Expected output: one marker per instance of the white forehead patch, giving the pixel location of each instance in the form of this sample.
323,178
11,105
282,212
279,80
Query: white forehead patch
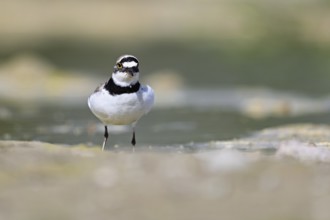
129,64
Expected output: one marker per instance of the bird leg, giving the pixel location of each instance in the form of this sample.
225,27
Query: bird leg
133,142
106,135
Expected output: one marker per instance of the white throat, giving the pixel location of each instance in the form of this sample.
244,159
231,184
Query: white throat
124,79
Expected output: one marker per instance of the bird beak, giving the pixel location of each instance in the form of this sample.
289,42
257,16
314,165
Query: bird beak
129,72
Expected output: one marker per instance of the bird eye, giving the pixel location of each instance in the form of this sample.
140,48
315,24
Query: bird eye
119,65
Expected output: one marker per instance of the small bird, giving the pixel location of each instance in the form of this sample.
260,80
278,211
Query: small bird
122,100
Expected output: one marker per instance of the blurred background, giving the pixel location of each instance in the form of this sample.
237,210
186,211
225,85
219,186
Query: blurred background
221,69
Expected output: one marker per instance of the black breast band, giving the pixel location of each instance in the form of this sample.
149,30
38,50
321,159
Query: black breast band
114,89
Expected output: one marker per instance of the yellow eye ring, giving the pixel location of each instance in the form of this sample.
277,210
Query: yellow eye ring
119,65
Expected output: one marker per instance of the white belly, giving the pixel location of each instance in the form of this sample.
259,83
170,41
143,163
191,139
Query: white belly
123,109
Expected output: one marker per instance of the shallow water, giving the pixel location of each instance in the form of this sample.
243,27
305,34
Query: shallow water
162,127
74,125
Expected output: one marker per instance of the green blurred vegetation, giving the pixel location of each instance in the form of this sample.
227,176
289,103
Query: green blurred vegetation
278,44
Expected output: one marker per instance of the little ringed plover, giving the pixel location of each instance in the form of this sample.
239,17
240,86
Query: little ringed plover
122,100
